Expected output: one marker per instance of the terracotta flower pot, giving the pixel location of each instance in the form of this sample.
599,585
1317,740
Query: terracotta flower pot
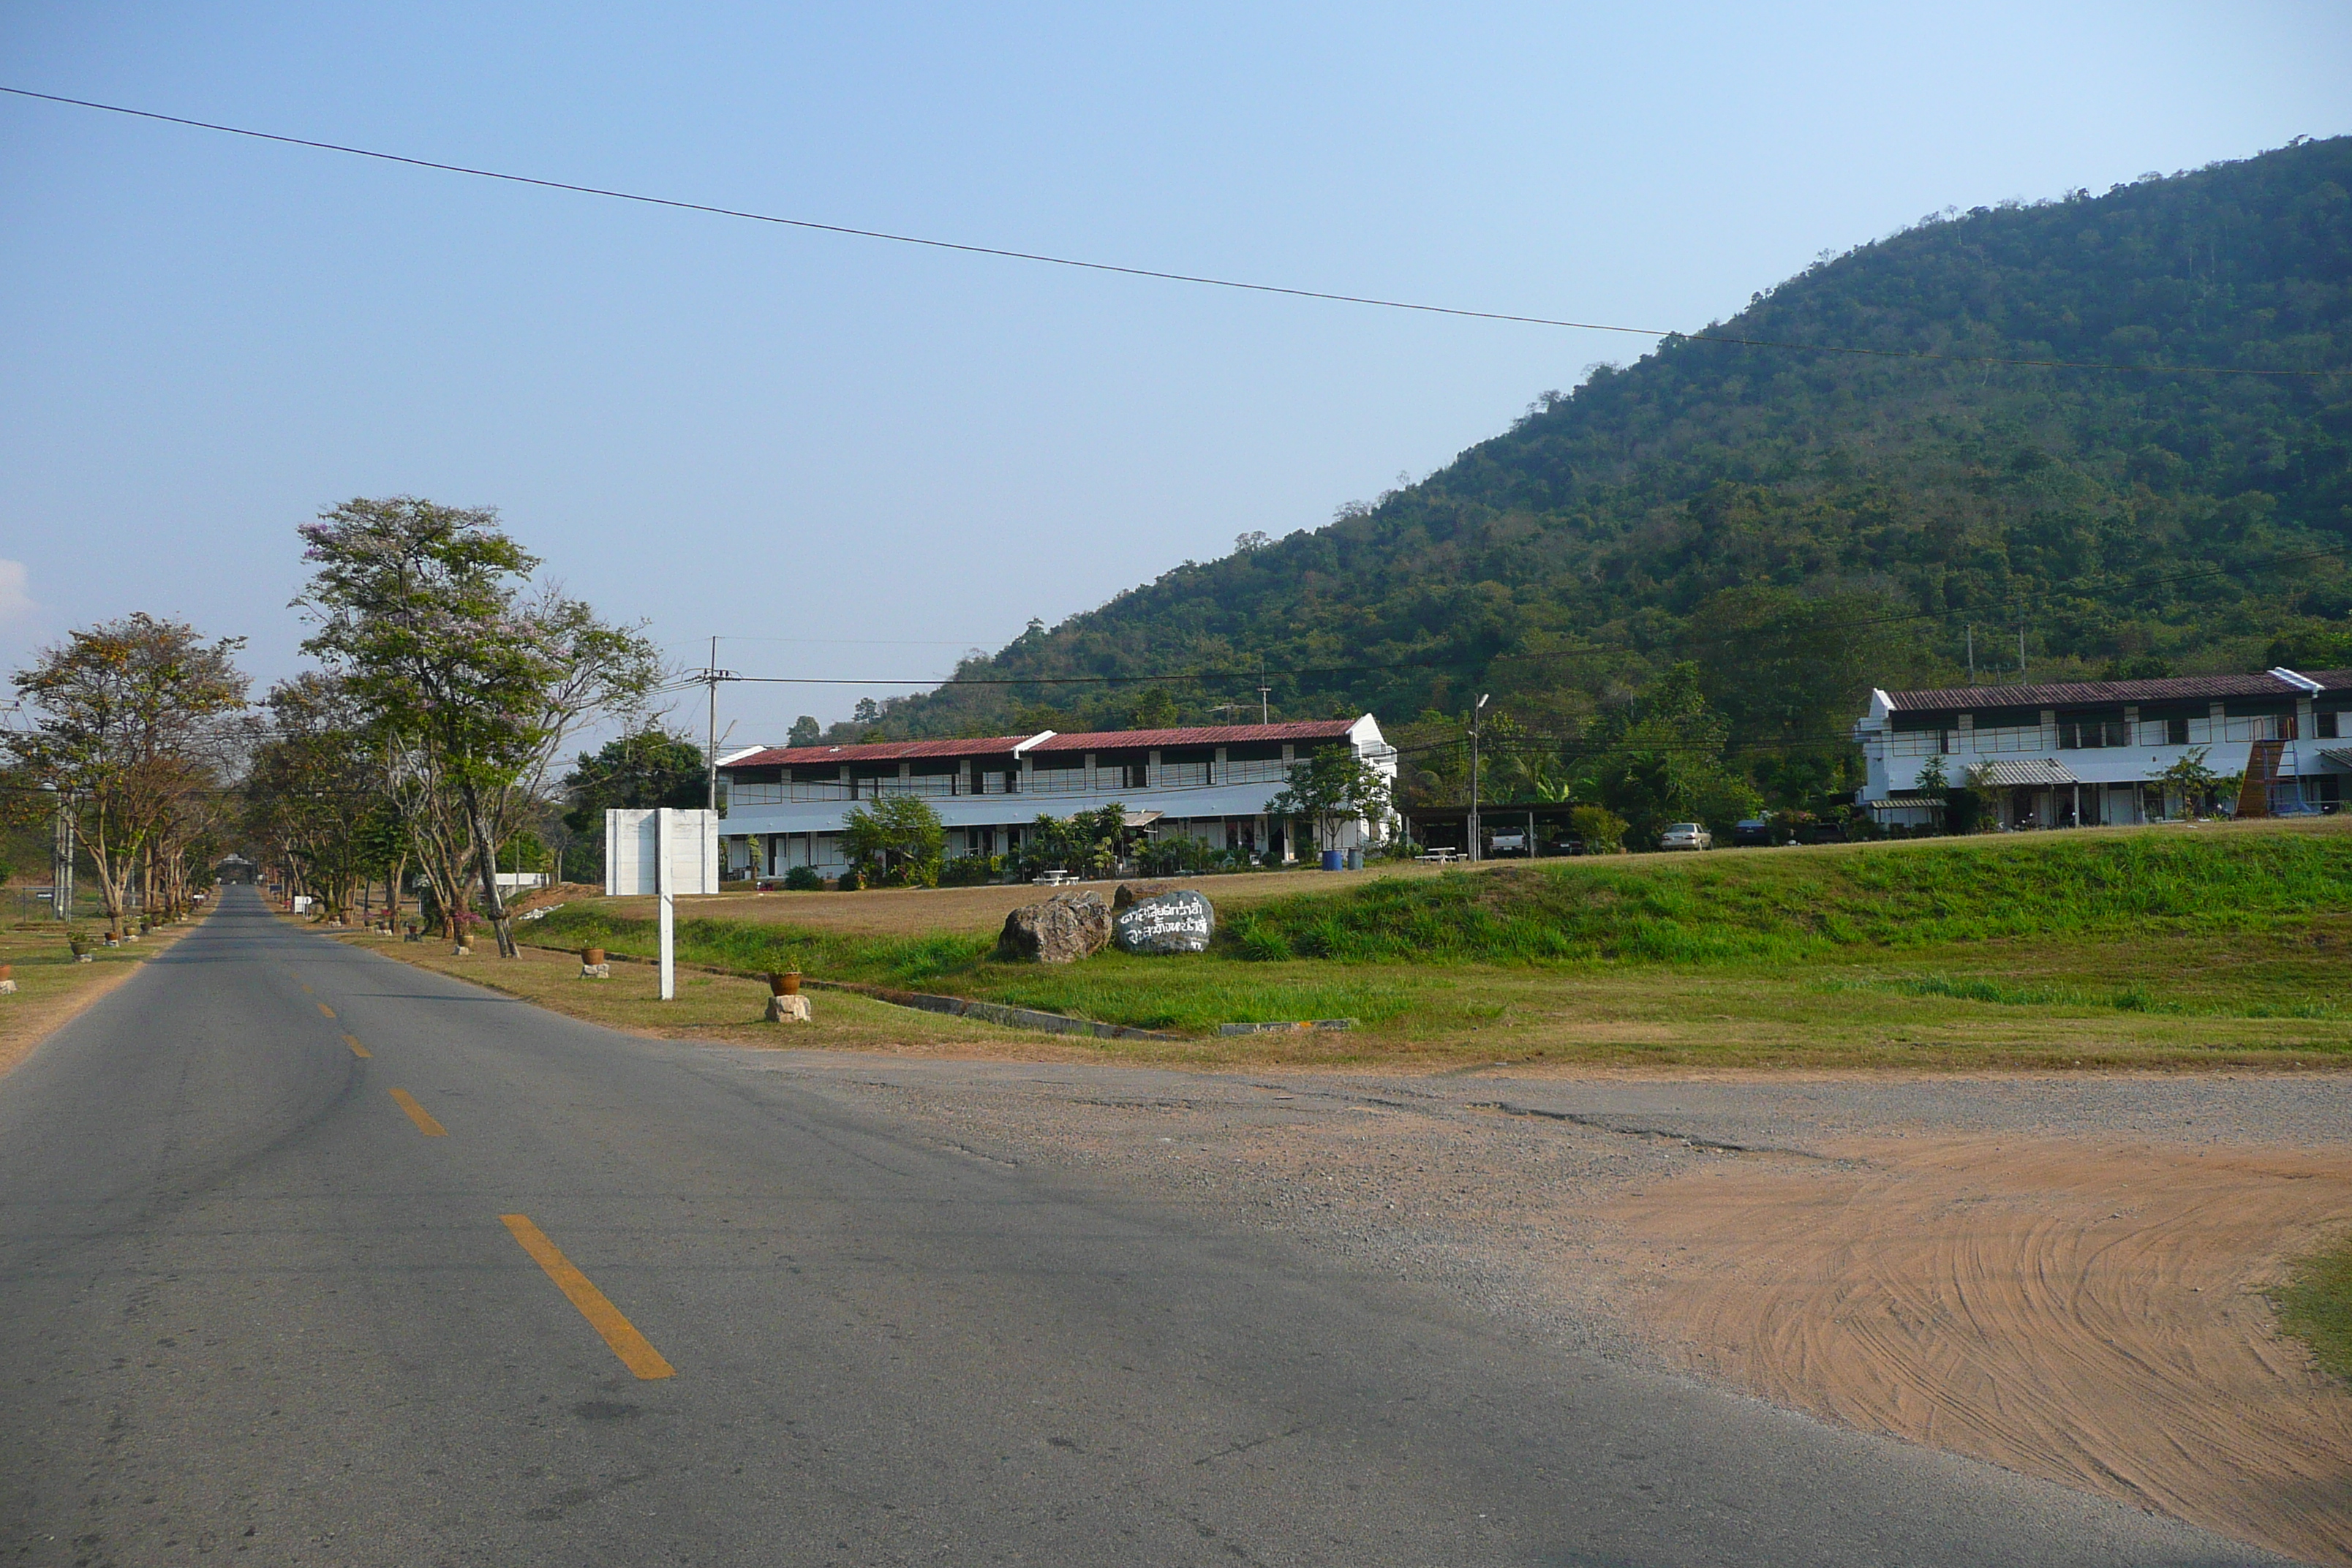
591,955
787,983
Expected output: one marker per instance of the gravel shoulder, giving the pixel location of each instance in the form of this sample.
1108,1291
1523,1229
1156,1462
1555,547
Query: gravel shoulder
2061,1274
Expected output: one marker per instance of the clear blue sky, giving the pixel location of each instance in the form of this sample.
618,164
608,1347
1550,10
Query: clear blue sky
879,456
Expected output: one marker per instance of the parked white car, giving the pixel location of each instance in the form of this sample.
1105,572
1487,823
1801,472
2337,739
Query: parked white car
1687,836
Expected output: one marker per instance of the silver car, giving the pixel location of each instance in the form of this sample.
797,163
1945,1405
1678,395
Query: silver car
1687,836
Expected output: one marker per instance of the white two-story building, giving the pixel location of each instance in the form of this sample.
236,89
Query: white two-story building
785,804
2092,753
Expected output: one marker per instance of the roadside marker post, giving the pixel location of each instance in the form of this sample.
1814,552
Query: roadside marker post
663,852
665,888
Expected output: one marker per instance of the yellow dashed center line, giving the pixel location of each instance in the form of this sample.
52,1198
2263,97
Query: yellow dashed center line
418,1114
636,1352
329,1012
357,1049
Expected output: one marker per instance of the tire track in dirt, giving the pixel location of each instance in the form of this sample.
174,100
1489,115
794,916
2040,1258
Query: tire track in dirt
2088,1314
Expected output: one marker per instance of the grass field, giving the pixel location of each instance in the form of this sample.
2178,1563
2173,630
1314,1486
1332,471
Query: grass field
2316,1307
2161,946
51,987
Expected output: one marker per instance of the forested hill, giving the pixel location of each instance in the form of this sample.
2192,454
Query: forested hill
1805,523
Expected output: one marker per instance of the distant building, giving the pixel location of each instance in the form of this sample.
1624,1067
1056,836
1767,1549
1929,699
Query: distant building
785,804
2094,752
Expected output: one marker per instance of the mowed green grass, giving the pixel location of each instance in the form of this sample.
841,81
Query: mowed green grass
2315,1306
2157,946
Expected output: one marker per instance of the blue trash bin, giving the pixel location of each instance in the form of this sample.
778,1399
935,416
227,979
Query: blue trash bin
1333,860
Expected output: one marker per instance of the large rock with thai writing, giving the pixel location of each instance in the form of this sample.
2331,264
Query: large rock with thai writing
1064,929
1180,922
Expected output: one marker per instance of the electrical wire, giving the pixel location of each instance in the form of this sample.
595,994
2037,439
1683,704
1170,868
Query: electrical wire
1157,274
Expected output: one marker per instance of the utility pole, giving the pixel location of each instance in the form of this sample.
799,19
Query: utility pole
1265,711
1476,846
2020,653
61,862
712,676
1972,655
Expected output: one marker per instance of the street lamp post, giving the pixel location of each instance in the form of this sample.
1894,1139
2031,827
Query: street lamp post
1478,850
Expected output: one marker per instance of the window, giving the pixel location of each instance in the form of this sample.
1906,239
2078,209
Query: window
2176,731
2324,725
2088,734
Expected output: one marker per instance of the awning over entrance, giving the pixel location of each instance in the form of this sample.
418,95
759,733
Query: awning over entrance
1143,818
2340,755
2028,773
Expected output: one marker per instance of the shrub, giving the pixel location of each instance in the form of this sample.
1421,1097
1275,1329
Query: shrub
804,879
1603,830
849,881
1259,940
1172,856
897,838
971,871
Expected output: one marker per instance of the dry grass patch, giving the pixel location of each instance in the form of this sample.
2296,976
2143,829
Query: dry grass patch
718,1008
51,988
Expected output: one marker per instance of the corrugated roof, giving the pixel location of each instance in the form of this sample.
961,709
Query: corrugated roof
1001,746
1215,735
2083,693
2028,771
876,751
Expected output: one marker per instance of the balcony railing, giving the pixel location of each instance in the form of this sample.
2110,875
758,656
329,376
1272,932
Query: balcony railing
1103,780
2149,733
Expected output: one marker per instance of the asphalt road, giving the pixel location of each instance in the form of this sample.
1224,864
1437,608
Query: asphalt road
253,1308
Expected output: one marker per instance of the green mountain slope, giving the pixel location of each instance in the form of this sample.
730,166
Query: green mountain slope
1805,523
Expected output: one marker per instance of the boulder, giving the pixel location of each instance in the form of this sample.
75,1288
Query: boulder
1135,892
1177,922
1064,929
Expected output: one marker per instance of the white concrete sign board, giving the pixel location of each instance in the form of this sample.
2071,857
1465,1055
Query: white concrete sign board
633,852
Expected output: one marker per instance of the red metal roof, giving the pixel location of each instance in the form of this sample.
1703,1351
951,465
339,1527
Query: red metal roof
876,751
2081,693
1215,735
1001,746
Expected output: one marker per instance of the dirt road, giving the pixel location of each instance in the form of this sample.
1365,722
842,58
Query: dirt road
2061,1275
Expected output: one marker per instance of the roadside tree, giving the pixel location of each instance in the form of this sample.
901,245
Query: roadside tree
471,679
1331,789
311,787
129,729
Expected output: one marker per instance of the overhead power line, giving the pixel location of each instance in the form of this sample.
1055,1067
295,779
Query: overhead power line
1158,274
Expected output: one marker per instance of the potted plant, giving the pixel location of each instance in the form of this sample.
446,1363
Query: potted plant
784,982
